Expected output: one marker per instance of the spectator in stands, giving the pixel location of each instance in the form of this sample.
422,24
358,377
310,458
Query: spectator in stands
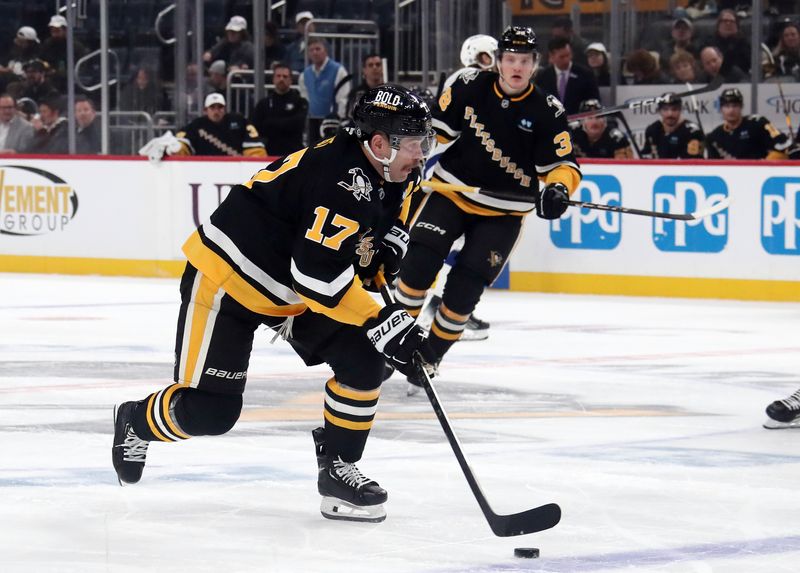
217,78
88,139
280,117
683,68
35,85
571,83
142,93
734,47
54,51
787,54
236,49
296,50
50,127
371,77
274,50
219,133
681,40
597,58
24,49
744,137
325,85
593,137
27,108
712,60
562,28
644,69
672,137
16,132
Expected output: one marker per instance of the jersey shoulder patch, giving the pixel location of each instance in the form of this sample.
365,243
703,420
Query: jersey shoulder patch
616,134
553,102
468,74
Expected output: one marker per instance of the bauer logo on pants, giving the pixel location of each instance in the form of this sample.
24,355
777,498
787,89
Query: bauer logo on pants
678,194
780,215
581,228
34,201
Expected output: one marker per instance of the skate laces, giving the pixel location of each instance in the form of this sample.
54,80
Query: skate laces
793,401
349,473
134,448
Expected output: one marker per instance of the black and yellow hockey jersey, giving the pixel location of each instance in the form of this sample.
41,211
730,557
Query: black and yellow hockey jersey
233,136
499,142
289,238
612,144
754,138
685,142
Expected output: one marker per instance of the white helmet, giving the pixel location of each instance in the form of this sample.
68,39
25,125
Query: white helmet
475,45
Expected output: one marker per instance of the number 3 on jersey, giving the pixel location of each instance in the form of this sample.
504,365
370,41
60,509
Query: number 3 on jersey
348,227
564,144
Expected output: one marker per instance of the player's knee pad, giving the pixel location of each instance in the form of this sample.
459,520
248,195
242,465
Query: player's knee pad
363,372
202,413
463,289
420,266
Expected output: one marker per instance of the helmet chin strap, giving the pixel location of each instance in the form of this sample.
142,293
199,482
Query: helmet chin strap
386,163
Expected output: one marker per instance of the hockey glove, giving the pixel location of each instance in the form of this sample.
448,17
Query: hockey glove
552,201
389,255
395,335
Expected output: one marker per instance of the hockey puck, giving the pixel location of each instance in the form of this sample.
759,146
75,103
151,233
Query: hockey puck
526,552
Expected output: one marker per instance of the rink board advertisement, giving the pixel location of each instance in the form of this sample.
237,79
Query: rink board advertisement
130,217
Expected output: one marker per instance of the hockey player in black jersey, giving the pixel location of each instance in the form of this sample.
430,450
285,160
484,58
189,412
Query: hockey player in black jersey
744,137
290,248
593,137
217,132
672,137
501,133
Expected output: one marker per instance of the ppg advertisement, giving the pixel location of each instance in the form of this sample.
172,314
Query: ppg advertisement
65,215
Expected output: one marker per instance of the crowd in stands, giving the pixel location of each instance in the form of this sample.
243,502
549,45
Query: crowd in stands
33,78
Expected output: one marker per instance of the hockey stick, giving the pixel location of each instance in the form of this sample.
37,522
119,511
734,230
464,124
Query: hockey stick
641,103
786,112
636,148
510,196
529,521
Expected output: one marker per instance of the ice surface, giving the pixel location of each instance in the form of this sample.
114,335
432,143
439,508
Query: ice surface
640,417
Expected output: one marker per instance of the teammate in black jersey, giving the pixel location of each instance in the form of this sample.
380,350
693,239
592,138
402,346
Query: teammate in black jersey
672,137
744,137
220,133
289,248
500,133
593,137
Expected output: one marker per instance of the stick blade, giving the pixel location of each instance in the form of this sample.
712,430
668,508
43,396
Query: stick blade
530,521
714,209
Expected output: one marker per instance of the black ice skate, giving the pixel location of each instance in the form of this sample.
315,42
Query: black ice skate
129,452
476,329
784,413
346,493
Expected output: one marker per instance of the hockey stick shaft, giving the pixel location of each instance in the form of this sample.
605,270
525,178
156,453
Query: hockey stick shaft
530,521
786,113
636,148
645,102
511,196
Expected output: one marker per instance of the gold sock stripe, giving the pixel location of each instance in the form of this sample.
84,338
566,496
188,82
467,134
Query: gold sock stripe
444,335
173,425
352,393
342,423
151,423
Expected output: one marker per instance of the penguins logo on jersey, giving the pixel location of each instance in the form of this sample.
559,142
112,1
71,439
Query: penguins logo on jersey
552,101
495,259
469,74
360,187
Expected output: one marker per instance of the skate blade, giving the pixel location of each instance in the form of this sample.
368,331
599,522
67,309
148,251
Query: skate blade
771,424
471,335
412,389
333,508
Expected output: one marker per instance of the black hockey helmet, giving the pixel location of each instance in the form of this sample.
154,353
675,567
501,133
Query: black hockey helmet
393,110
731,95
590,105
520,39
669,99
